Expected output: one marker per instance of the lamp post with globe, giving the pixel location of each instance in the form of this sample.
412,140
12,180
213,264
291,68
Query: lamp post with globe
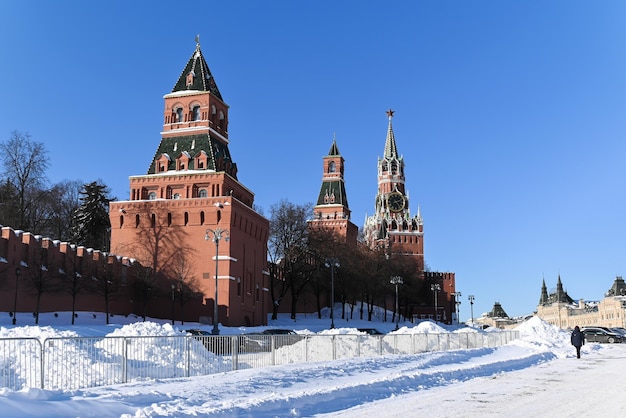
216,236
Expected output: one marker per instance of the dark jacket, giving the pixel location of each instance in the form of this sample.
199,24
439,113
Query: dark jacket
577,338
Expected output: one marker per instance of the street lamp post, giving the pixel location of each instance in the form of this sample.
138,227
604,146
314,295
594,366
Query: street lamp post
471,301
396,280
173,288
216,236
332,263
435,288
17,280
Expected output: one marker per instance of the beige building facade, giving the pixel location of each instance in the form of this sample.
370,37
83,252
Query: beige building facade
608,312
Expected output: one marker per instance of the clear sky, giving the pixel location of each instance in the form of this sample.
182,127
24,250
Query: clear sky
509,115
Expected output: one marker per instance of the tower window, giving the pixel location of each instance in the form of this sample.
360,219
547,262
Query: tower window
196,112
331,167
176,196
202,193
152,196
179,114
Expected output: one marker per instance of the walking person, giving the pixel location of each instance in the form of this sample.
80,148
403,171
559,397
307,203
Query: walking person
578,339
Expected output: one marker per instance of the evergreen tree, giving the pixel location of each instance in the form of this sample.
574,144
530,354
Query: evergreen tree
90,223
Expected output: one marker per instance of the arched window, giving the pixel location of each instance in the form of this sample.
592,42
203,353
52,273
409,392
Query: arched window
176,196
221,122
331,167
196,112
152,196
202,193
179,114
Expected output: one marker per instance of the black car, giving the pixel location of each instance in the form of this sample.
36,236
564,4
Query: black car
217,344
279,332
621,331
197,332
370,331
601,335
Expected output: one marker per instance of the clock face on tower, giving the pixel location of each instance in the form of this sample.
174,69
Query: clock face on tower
395,202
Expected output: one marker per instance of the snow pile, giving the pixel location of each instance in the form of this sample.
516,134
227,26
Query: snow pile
539,335
144,329
424,327
40,333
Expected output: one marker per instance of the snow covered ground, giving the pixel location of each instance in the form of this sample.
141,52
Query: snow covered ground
537,375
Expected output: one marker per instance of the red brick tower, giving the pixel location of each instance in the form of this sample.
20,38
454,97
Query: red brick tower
190,191
391,227
331,213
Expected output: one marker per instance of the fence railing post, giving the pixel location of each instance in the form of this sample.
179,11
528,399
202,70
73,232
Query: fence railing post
126,342
42,362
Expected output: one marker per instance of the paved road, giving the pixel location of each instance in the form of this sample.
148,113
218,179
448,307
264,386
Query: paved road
593,386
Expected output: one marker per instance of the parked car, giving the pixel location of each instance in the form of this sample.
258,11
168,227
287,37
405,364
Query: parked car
197,332
265,340
621,331
370,331
601,335
217,344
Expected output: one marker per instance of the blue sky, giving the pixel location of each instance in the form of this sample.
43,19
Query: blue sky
510,115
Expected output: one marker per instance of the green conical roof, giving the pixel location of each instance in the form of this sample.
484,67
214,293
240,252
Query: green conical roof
201,80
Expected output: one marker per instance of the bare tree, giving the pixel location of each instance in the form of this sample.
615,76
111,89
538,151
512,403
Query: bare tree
42,277
63,202
157,247
75,282
25,162
179,271
289,256
105,282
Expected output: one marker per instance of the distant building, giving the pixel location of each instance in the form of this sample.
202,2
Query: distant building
497,318
559,309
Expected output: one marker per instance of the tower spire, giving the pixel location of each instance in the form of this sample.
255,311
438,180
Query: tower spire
391,150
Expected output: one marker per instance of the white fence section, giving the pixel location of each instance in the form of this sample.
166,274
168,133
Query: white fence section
81,362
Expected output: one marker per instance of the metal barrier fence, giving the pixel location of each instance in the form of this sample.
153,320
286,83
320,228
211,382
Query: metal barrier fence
81,362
